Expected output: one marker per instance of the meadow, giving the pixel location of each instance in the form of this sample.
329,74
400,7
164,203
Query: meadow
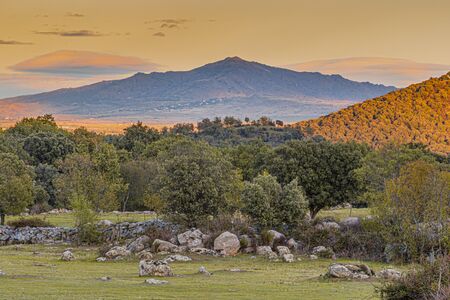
35,272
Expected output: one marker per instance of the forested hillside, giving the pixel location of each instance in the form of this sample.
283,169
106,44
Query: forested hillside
416,114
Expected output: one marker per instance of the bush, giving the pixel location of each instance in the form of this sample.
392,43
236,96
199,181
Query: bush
29,222
161,233
430,283
85,220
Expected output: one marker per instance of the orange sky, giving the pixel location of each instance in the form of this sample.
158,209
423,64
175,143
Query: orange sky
181,34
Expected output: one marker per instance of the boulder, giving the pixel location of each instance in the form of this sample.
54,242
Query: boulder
176,257
67,256
192,238
264,250
389,274
145,255
292,245
202,270
164,246
105,223
323,252
154,268
2,273
105,278
203,251
328,226
117,252
352,271
152,281
351,222
101,259
139,244
313,257
288,257
276,238
282,250
227,244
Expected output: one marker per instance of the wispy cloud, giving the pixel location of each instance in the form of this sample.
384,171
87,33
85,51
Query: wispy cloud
71,33
83,63
389,71
159,34
4,42
74,14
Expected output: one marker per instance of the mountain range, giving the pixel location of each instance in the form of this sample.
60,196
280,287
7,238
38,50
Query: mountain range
419,113
232,86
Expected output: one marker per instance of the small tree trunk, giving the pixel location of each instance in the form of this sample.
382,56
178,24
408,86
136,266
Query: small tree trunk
2,218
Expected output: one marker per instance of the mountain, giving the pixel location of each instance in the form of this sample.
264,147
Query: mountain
417,114
232,86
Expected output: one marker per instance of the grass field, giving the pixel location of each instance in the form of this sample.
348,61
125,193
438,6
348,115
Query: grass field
35,272
67,219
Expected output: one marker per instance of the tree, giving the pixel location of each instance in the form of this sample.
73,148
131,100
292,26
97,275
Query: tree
415,209
47,147
16,185
270,205
28,126
196,181
324,170
137,137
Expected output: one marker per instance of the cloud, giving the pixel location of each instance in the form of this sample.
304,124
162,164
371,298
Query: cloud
170,21
83,63
73,14
388,71
3,42
170,26
159,34
73,33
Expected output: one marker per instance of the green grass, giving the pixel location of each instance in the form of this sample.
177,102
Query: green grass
67,220
43,276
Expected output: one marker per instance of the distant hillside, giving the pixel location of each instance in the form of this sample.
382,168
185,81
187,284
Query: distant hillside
418,113
229,87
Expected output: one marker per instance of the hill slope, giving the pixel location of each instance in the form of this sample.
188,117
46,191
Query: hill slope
231,86
418,113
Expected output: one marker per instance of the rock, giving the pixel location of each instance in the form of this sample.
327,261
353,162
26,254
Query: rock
276,238
105,223
252,257
352,271
282,250
351,222
272,256
323,252
105,278
389,274
203,251
2,273
101,259
247,245
154,268
236,270
176,257
328,226
288,257
202,270
117,252
152,281
192,238
227,244
67,256
263,250
145,255
292,245
139,244
160,246
313,257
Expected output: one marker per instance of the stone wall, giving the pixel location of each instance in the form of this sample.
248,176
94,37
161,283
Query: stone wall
52,235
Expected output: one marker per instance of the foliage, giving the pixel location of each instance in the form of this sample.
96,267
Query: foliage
196,181
47,147
270,205
29,222
137,137
415,210
85,219
431,282
16,185
324,170
416,114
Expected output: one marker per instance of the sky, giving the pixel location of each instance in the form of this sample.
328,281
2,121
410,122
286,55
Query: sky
48,44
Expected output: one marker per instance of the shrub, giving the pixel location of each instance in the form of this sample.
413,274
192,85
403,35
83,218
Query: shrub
29,222
161,233
85,220
430,283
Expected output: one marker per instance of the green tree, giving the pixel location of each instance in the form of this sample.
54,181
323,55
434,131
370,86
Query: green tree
16,185
47,147
323,169
196,181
